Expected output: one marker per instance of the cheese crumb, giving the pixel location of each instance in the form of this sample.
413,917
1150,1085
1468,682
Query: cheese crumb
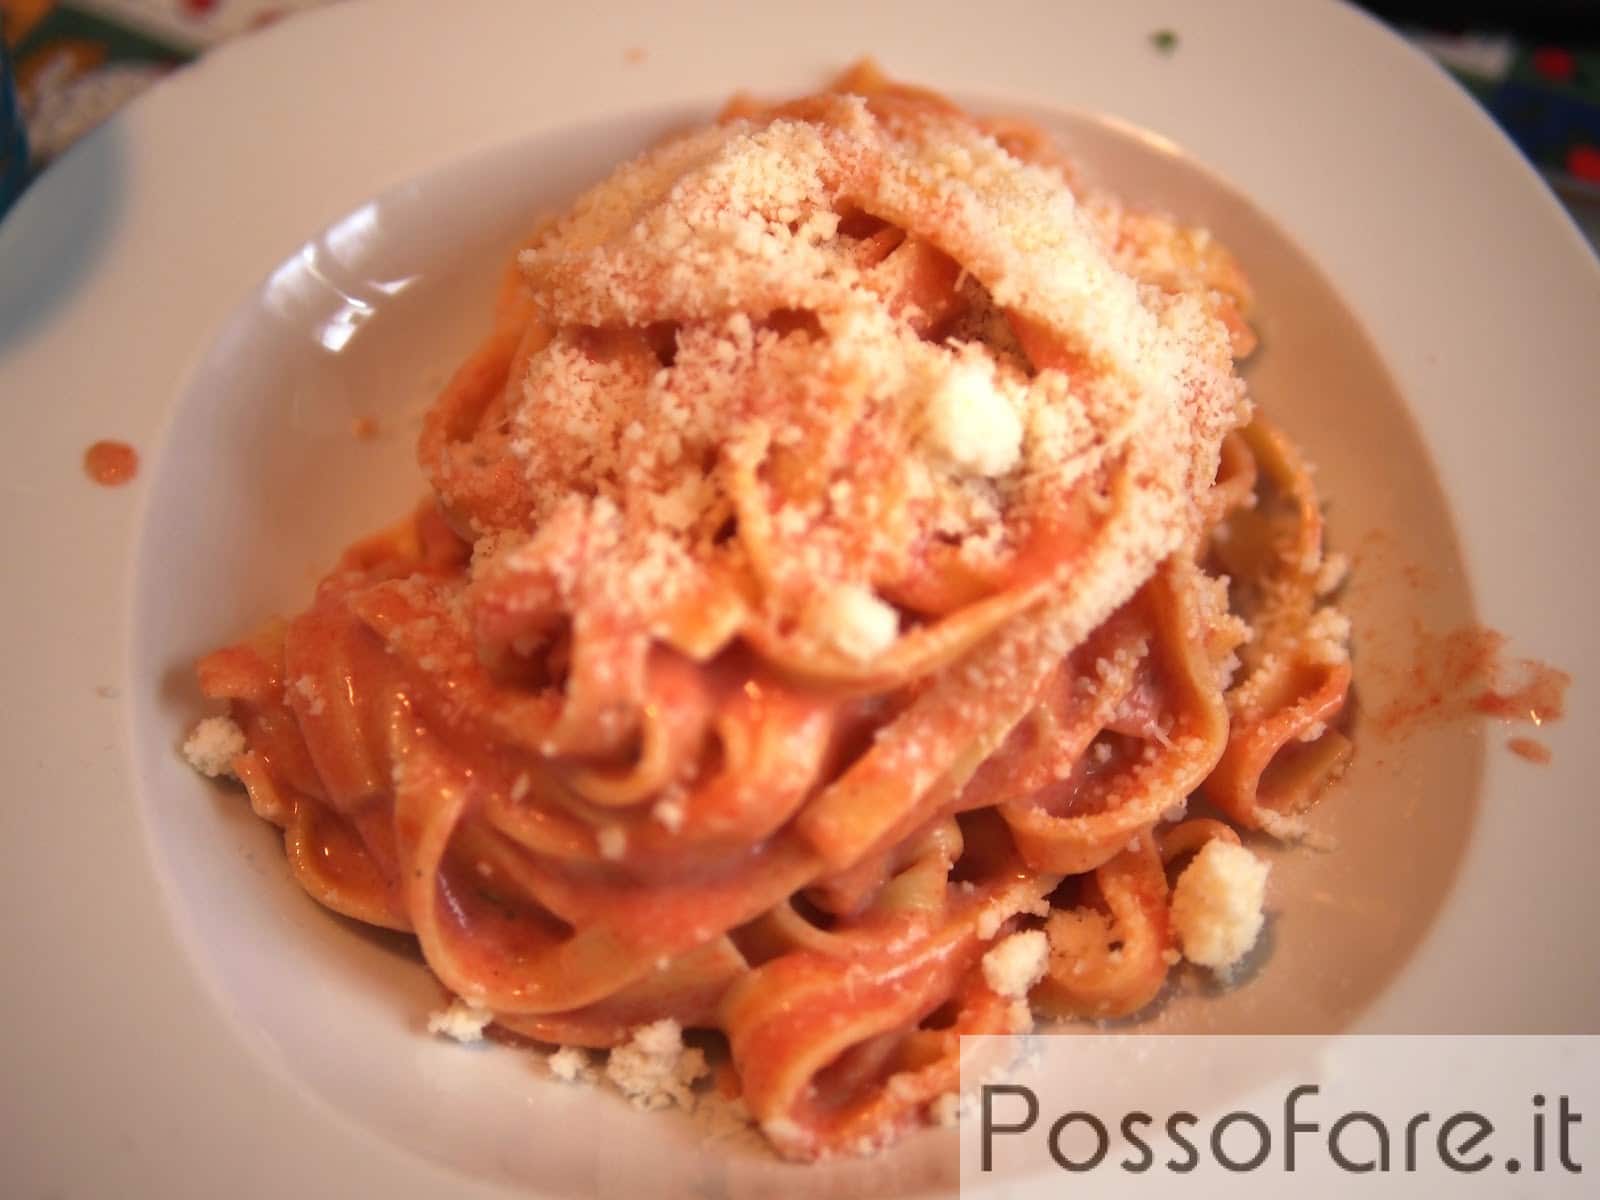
1335,568
463,1021
654,1069
571,1064
1014,965
307,687
212,746
668,813
852,619
1019,1017
1327,638
971,425
788,1134
726,1120
997,912
1216,905
612,841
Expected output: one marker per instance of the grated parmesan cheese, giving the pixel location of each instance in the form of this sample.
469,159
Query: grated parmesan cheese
1012,966
571,1064
612,841
945,1111
971,426
1019,1017
307,688
850,442
1217,905
654,1069
668,813
852,620
1331,575
463,1021
720,1119
997,912
1327,637
213,744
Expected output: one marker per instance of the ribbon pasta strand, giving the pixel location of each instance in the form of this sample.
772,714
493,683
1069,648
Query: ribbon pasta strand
851,545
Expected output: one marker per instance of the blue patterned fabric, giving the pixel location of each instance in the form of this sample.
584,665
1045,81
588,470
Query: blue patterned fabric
13,138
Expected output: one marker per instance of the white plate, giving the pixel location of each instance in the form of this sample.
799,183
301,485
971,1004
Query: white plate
181,1022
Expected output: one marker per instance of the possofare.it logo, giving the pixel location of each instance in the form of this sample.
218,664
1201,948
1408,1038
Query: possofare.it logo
1355,1141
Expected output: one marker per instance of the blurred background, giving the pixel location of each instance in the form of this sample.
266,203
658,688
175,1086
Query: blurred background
1534,65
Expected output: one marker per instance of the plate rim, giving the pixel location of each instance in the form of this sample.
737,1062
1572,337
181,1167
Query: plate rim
69,640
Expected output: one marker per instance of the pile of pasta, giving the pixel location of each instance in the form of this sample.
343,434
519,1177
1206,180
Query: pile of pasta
851,545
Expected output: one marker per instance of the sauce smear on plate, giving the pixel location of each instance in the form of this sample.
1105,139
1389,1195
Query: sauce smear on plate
1463,673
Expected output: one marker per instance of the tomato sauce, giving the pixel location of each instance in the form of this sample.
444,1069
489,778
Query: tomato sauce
1464,672
111,464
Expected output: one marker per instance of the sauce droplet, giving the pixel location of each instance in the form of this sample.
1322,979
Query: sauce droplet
1528,748
111,464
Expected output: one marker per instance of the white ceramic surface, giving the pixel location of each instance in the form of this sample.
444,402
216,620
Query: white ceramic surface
236,266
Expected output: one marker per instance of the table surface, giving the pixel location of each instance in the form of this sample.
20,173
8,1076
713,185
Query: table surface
77,61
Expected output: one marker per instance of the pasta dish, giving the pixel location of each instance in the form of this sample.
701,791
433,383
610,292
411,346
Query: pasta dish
851,552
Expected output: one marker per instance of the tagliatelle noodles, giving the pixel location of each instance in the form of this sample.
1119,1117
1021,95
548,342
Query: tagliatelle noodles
852,544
